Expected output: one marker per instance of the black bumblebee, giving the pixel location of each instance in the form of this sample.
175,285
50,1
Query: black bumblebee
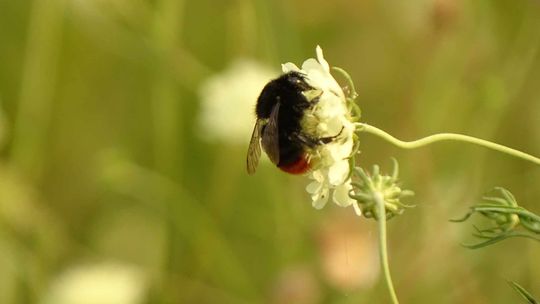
280,111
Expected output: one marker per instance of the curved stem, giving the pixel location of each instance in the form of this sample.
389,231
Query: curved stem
383,252
363,127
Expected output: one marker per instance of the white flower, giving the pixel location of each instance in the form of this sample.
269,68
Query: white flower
228,101
107,283
329,117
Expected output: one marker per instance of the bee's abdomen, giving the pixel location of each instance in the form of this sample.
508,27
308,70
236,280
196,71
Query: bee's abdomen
299,166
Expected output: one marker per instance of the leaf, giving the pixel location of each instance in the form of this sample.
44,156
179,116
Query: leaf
499,238
524,293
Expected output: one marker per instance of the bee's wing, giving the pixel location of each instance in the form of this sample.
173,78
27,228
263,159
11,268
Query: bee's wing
254,150
270,137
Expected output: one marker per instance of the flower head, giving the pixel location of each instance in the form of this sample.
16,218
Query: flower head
328,118
375,188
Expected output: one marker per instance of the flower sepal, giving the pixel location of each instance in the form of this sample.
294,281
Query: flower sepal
375,188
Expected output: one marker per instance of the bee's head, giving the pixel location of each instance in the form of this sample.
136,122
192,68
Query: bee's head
298,81
287,88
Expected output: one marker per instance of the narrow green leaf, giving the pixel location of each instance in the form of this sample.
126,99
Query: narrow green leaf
524,293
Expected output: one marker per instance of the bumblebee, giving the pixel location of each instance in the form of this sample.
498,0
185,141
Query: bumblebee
280,111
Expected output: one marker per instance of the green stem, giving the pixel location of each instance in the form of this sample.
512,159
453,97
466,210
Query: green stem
363,127
38,82
166,102
167,115
383,252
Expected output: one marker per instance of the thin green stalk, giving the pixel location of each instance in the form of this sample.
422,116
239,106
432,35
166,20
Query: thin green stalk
37,86
363,127
383,252
167,112
167,108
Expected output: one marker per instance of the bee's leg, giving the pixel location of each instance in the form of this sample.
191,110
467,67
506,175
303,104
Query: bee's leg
306,139
313,142
329,139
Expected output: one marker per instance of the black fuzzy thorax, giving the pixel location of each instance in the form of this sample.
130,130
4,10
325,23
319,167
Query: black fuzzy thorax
287,91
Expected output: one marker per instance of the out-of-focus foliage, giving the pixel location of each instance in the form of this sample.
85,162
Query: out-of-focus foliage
103,159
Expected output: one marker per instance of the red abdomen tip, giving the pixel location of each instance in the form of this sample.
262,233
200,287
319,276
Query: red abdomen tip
298,167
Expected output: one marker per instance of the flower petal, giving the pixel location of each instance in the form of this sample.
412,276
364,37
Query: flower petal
357,209
321,59
338,172
318,176
341,195
289,67
320,200
314,187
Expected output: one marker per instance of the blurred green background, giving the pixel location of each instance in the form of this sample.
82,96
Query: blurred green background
120,181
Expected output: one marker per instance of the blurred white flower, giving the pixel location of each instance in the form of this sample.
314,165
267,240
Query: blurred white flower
106,283
228,101
329,118
348,252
